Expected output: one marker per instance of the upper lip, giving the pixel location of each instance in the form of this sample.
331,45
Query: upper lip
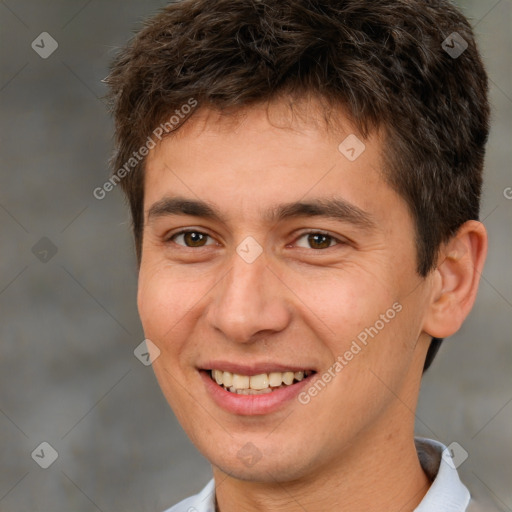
254,368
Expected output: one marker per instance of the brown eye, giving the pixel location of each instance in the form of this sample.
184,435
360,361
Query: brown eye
319,241
316,240
190,238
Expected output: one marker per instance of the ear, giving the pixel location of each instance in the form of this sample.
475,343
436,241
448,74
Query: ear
455,280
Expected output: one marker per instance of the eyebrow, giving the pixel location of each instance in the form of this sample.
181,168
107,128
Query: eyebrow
338,209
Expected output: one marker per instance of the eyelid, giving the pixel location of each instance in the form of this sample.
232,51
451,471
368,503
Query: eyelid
168,238
338,240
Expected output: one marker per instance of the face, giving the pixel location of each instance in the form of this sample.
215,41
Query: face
286,267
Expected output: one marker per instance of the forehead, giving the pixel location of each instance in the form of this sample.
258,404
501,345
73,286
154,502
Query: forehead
253,161
266,139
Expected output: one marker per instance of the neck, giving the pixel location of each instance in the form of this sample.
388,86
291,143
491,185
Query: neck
380,471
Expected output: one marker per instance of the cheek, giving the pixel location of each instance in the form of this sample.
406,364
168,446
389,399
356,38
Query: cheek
163,301
342,303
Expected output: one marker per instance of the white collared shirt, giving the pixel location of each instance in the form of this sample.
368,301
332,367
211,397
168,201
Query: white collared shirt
446,494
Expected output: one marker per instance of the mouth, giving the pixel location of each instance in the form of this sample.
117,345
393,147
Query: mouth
254,389
259,384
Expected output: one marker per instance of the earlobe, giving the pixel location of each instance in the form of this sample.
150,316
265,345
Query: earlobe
455,280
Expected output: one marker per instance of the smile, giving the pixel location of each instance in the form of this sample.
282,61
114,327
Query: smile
257,384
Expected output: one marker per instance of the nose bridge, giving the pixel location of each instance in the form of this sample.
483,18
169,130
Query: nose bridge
247,301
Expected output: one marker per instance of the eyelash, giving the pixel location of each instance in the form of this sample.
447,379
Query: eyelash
306,233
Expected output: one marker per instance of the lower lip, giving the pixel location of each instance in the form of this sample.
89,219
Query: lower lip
252,405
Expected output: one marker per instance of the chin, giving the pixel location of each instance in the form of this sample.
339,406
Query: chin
271,464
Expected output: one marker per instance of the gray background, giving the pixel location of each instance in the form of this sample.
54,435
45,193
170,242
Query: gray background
69,325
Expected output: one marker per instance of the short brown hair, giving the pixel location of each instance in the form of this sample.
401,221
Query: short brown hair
388,62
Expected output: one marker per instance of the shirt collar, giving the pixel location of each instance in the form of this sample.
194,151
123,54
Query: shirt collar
447,492
202,502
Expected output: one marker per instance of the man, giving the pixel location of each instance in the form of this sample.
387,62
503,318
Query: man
304,182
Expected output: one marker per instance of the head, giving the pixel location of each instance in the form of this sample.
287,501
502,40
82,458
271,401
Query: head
264,94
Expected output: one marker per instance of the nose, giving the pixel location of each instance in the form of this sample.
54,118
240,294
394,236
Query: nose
249,302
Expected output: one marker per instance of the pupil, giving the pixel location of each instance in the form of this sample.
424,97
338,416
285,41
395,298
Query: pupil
193,238
319,240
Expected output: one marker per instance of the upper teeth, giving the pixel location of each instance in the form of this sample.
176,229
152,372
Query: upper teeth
256,382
